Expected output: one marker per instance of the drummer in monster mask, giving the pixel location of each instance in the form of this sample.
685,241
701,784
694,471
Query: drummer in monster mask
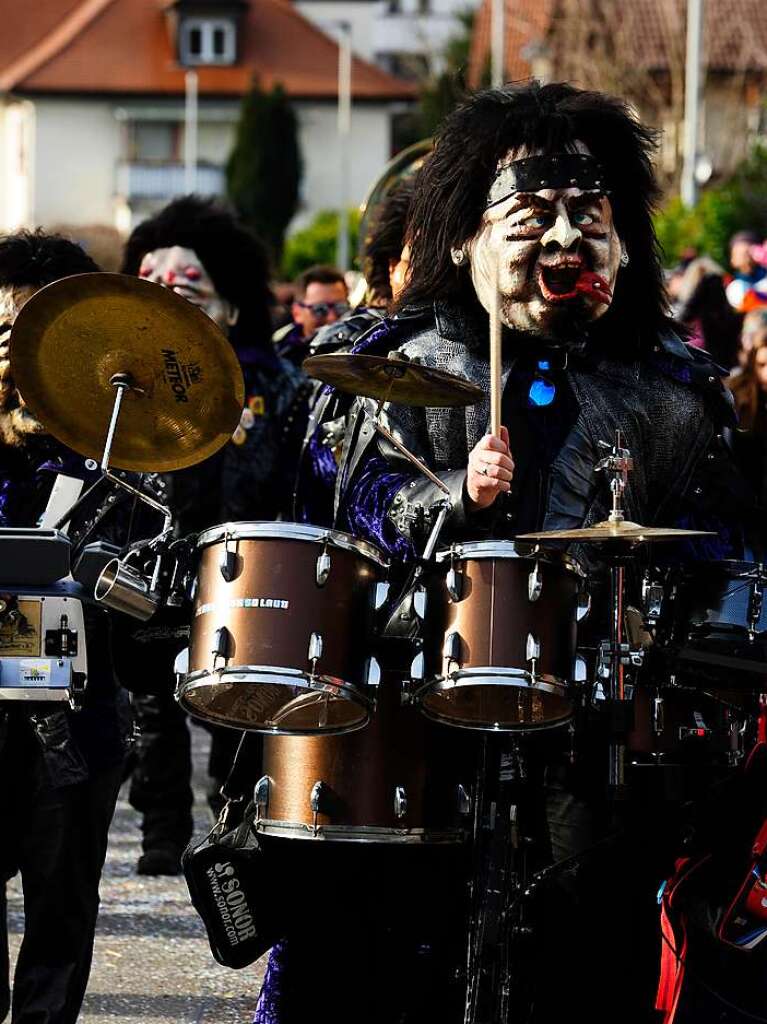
538,199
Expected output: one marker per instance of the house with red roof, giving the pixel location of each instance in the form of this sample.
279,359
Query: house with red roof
92,102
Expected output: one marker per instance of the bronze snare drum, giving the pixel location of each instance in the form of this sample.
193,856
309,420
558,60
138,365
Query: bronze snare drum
280,639
400,780
500,637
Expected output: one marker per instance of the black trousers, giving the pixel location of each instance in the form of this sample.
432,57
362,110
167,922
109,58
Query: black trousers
56,838
161,788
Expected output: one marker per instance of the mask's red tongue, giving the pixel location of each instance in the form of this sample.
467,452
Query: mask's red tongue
594,286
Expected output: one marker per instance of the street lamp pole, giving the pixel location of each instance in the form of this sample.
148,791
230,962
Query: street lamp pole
344,141
692,100
497,43
190,132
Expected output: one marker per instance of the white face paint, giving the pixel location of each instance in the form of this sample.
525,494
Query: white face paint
540,251
16,422
182,271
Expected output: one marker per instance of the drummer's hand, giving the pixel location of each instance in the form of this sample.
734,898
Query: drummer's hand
490,471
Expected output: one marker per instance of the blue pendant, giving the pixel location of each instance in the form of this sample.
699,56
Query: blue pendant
542,391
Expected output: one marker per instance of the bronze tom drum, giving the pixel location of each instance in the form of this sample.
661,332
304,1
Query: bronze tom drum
280,639
401,780
500,637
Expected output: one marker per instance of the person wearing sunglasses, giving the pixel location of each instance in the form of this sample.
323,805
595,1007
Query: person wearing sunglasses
321,297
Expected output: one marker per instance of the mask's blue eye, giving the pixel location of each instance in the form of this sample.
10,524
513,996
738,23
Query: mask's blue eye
541,392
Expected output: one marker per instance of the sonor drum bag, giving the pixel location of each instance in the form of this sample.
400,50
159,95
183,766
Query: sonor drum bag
224,874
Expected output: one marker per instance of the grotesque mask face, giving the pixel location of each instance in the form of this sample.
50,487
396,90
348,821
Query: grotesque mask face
182,271
547,244
16,422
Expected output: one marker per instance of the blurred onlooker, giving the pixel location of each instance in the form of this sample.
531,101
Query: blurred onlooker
754,323
749,389
321,297
747,272
703,308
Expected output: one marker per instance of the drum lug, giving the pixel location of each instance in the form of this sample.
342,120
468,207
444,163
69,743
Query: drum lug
465,803
400,802
315,802
417,668
532,651
534,583
452,648
228,564
315,650
372,672
221,644
755,604
380,595
454,583
261,797
181,664
419,603
323,567
584,606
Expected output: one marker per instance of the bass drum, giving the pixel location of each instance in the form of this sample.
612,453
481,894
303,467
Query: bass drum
282,628
402,780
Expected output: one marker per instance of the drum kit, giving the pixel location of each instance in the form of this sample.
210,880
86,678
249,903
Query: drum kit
286,619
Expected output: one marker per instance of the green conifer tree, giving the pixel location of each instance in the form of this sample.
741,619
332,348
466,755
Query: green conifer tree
263,172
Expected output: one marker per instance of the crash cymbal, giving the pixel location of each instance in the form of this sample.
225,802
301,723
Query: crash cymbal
610,531
73,336
395,380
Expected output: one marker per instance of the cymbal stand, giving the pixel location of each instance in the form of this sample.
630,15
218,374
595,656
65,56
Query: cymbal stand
615,654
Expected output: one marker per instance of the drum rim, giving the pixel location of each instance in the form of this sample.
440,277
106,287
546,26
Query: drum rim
268,530
466,551
468,677
283,676
358,833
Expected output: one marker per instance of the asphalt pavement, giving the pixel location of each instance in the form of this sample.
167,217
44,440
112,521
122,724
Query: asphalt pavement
152,962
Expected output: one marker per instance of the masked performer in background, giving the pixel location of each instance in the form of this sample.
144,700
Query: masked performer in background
385,264
60,770
198,249
543,195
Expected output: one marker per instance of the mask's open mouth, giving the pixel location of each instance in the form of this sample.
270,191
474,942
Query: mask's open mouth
567,281
558,284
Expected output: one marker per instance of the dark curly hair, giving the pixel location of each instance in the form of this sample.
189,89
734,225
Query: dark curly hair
230,252
386,238
32,259
453,184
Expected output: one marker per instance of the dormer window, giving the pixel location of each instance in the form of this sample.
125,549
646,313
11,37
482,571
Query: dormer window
207,41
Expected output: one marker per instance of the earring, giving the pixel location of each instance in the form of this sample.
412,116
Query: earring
457,256
624,257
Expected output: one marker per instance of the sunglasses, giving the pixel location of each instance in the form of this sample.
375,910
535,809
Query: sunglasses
323,308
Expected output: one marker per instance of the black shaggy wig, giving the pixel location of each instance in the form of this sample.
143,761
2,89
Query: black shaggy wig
386,238
32,259
454,182
231,253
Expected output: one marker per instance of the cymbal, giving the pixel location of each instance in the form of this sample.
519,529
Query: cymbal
393,380
624,530
74,335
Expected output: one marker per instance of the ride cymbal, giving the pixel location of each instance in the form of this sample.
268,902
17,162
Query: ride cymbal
623,530
392,380
73,336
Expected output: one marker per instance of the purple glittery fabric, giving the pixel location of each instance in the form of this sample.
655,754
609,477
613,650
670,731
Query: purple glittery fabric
366,506
270,999
317,501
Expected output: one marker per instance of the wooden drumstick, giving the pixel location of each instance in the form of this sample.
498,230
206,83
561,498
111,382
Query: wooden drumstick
495,357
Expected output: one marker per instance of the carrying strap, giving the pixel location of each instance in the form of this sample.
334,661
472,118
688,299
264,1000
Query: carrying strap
244,768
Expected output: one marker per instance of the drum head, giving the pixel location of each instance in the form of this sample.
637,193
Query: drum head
496,706
274,707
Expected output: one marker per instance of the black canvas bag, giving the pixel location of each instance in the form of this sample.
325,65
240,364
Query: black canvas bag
225,874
